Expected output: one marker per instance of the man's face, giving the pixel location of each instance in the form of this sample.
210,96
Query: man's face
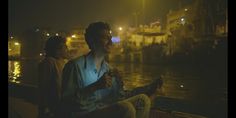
104,43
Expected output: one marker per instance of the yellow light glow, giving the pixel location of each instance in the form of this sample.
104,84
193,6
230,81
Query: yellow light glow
9,49
16,43
110,31
182,86
16,72
120,28
17,82
57,34
68,40
40,54
73,36
185,9
48,34
11,37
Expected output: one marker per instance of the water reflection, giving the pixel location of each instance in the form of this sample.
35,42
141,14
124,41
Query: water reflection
23,71
14,71
180,83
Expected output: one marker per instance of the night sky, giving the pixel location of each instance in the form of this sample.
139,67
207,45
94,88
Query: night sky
68,14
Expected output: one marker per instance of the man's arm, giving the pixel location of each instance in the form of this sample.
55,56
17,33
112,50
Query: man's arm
73,88
104,82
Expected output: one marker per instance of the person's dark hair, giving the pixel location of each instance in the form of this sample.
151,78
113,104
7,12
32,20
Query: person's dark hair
52,44
93,30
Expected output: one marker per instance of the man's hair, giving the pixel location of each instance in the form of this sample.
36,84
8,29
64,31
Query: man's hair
93,30
52,44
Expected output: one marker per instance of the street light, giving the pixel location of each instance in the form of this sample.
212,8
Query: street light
120,28
57,34
73,36
16,43
182,21
48,34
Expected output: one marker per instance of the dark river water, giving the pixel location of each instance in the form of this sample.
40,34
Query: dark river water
206,88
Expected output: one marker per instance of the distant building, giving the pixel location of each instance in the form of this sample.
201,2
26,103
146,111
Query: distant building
14,47
221,18
33,41
76,43
180,19
144,38
197,21
179,26
147,35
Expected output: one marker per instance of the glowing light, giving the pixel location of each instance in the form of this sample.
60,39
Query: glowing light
73,36
11,37
17,82
120,28
68,40
182,21
182,86
16,43
185,9
57,34
41,54
115,39
9,49
16,72
110,31
48,34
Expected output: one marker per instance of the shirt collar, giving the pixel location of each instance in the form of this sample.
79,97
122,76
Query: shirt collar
89,63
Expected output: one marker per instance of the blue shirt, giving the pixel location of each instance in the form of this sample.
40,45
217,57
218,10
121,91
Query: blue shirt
80,73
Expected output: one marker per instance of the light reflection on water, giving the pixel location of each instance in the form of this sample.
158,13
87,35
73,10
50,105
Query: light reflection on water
181,83
14,71
178,83
23,71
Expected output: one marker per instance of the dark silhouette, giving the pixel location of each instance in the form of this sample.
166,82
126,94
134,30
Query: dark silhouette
50,72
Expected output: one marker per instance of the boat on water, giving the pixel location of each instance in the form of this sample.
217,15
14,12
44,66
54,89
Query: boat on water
23,104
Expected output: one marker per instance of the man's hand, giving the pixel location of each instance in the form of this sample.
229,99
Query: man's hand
116,73
104,82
